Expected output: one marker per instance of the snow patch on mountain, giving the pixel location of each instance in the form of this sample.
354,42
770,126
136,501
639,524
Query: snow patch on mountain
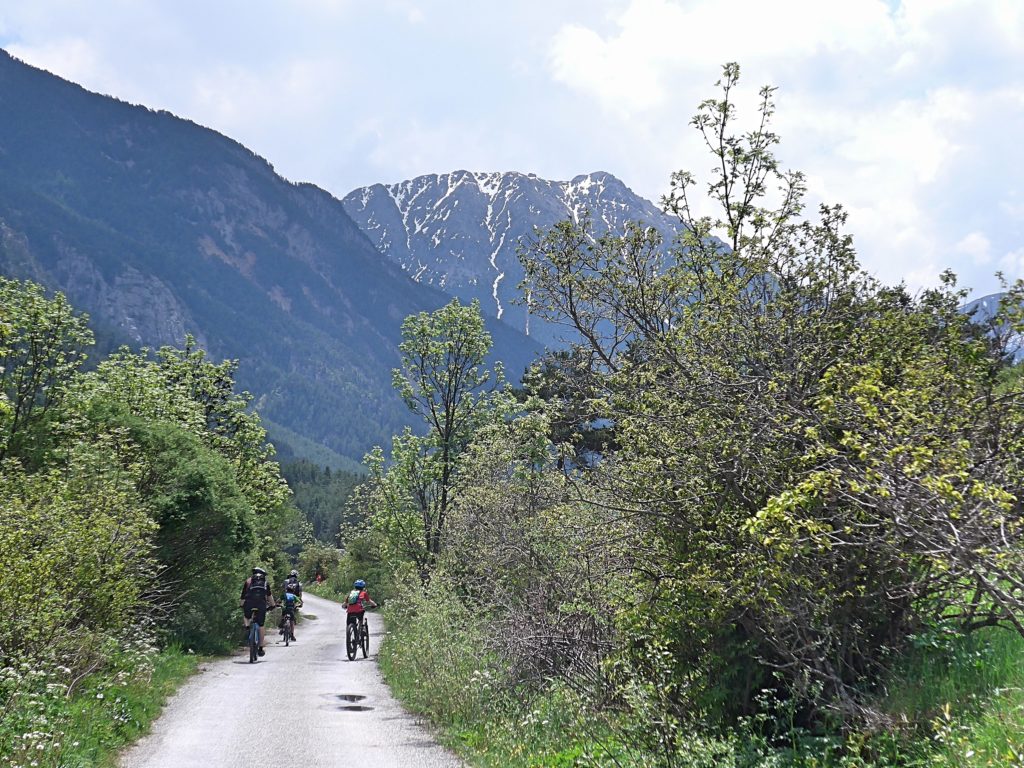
461,231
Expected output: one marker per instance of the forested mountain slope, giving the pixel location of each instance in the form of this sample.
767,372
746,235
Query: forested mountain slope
159,227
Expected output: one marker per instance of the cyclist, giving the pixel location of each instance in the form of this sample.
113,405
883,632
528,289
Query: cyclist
293,585
358,601
290,604
256,599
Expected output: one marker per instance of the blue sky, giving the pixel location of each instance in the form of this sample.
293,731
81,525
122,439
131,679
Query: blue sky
908,112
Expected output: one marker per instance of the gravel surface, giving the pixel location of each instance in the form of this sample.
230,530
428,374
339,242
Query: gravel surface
302,706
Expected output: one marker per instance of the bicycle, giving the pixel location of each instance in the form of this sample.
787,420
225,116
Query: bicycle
254,635
357,636
287,627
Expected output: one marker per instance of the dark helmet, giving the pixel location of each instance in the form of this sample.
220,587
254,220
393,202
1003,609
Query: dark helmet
360,584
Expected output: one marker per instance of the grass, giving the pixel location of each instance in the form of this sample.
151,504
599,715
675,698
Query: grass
967,697
105,715
431,658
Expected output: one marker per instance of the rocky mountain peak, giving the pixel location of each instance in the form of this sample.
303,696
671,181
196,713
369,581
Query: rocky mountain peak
461,231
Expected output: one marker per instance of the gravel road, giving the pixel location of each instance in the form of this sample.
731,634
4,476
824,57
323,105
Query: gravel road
302,706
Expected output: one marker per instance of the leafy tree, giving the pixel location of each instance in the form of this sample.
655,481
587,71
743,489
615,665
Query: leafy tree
542,566
75,555
819,465
42,344
562,381
443,381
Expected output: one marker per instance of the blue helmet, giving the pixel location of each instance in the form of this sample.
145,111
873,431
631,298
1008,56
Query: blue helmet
360,584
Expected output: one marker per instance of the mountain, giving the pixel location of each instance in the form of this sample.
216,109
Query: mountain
460,231
158,227
983,309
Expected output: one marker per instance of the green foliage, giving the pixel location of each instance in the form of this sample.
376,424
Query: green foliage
45,723
42,343
806,473
318,558
820,464
443,381
431,632
75,555
133,499
322,494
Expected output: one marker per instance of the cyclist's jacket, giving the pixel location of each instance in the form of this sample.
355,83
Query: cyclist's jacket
256,592
289,602
357,600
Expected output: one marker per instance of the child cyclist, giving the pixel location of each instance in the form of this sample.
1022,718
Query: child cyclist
290,604
358,601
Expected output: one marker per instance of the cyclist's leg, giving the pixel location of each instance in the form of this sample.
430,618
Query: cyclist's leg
260,614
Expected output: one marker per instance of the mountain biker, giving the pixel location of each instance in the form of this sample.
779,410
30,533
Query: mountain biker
293,585
358,601
256,599
290,604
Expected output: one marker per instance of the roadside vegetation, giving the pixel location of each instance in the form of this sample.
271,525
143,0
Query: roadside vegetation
765,512
134,497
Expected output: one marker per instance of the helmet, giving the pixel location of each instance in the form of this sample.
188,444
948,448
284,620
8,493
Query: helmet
257,569
294,573
360,584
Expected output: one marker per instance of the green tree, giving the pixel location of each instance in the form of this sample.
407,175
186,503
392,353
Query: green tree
42,345
818,465
206,477
444,381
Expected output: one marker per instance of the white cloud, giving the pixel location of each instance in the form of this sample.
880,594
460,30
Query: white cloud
1012,264
977,246
902,111
74,58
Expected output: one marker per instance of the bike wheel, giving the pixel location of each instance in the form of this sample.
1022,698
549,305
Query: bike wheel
351,640
366,638
254,642
287,631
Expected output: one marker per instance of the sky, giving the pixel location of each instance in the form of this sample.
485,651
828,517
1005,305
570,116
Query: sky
910,113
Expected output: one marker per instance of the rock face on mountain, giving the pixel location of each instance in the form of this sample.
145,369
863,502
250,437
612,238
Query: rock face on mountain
460,231
157,227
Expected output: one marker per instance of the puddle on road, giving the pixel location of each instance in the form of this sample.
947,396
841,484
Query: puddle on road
350,697
355,708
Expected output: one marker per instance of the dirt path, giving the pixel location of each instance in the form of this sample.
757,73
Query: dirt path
307,701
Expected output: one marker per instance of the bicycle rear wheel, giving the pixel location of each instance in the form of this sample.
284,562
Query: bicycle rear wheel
287,631
254,641
366,638
351,641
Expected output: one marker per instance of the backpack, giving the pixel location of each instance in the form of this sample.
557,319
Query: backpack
257,586
353,597
291,584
